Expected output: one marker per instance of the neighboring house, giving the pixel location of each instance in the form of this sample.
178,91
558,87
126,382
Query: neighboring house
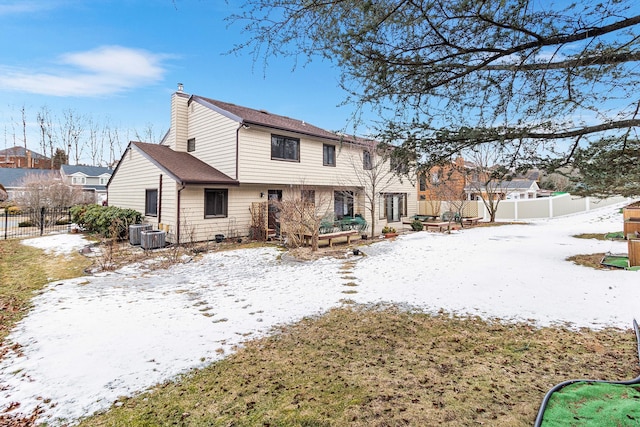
13,178
219,161
515,189
92,179
20,157
443,182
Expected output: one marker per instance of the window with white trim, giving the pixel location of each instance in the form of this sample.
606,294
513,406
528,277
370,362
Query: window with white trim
393,206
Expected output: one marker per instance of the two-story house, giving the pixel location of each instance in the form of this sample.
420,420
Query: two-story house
219,159
92,179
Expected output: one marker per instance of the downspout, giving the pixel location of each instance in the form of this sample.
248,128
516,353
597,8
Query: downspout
240,126
182,187
160,201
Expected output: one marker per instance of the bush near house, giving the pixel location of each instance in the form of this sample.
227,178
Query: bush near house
108,221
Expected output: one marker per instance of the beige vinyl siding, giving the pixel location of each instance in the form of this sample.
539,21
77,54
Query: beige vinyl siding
257,166
134,176
195,227
215,137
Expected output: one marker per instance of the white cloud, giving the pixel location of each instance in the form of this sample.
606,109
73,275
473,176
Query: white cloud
102,71
25,6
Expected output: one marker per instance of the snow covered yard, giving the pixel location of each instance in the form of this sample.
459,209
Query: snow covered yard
92,339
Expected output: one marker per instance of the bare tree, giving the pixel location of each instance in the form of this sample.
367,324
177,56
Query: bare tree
112,136
46,190
71,130
489,178
371,173
23,114
47,133
94,141
302,211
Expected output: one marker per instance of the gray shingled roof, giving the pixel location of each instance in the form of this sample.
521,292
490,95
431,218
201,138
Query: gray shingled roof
183,167
251,116
87,170
13,177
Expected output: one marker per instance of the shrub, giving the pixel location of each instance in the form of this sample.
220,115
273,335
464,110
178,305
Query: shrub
416,225
14,210
108,221
25,224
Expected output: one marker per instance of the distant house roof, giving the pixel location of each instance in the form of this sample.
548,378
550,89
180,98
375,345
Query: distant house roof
183,167
516,184
251,116
18,151
86,170
13,177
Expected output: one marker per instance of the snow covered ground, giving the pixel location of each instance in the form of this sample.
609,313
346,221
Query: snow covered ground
92,339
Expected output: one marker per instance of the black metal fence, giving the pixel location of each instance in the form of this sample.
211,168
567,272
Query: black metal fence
33,222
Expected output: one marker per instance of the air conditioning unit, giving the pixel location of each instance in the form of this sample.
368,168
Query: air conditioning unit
152,239
135,230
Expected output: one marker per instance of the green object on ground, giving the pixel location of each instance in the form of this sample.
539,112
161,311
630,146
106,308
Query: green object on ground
618,235
593,404
618,261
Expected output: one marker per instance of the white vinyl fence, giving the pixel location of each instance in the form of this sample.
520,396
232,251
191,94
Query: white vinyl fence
523,209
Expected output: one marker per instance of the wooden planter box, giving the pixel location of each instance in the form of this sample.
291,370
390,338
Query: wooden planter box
631,211
631,217
634,252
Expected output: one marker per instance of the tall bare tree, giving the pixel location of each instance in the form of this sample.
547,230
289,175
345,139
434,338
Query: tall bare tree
71,132
47,132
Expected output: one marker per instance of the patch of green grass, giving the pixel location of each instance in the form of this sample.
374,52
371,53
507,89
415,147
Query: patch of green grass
383,366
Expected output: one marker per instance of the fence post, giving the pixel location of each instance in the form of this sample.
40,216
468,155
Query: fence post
6,222
42,220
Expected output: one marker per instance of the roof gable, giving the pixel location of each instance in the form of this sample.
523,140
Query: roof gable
182,167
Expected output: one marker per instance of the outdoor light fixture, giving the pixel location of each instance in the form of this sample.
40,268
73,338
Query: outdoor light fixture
261,194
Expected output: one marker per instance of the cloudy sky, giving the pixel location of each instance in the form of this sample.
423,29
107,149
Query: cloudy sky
120,60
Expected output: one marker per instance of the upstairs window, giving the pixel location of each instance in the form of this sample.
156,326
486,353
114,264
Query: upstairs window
215,203
366,160
191,145
151,202
79,180
285,148
328,155
423,182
